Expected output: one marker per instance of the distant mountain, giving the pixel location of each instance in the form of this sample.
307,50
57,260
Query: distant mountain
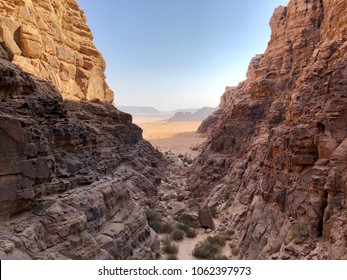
134,110
199,115
185,110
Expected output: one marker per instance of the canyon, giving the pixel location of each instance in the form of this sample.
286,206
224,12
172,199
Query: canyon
77,179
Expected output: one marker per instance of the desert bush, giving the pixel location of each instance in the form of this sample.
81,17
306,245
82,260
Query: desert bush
205,250
183,226
177,234
184,220
168,247
209,248
172,257
153,219
191,233
216,239
235,251
219,257
166,228
187,160
156,223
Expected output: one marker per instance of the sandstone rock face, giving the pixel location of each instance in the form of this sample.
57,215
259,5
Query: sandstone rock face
278,151
68,174
51,40
210,122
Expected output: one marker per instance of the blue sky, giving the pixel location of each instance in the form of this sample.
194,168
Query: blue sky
173,54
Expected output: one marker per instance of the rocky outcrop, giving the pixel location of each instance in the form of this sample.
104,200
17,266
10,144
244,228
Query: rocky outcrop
70,173
277,154
211,121
199,115
205,218
51,40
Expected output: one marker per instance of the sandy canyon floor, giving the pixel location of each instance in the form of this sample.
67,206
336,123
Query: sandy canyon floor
178,141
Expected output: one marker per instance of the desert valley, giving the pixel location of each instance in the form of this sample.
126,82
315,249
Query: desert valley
263,176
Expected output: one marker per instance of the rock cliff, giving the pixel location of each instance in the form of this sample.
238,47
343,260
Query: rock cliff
51,40
275,164
75,172
69,174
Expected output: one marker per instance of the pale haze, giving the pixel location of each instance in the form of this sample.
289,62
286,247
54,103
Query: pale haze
173,54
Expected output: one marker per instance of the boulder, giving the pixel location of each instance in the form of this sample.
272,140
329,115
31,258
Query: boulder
205,218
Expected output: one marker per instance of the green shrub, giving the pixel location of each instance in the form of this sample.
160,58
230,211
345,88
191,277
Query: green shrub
166,228
235,251
189,221
191,233
209,248
205,250
168,247
219,257
156,223
172,257
216,239
183,226
177,234
187,160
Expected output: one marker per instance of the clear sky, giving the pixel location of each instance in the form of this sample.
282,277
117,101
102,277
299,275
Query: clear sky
173,54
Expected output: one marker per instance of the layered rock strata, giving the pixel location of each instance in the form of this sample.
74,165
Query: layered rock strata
51,40
69,173
276,161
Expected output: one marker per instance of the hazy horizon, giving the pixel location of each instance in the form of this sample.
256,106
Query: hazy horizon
177,54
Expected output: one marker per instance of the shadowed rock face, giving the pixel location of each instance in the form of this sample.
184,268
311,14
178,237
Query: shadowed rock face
68,174
278,152
51,40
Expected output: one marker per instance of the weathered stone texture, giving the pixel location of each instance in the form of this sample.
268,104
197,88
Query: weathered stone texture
278,150
68,174
51,40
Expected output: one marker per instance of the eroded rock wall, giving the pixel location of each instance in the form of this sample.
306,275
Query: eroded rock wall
277,157
51,40
70,172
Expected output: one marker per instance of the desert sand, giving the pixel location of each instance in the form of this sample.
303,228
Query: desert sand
173,137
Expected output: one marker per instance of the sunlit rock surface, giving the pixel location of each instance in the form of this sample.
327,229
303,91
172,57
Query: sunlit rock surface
51,40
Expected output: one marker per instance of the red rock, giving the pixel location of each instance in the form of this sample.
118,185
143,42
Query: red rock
66,170
281,138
